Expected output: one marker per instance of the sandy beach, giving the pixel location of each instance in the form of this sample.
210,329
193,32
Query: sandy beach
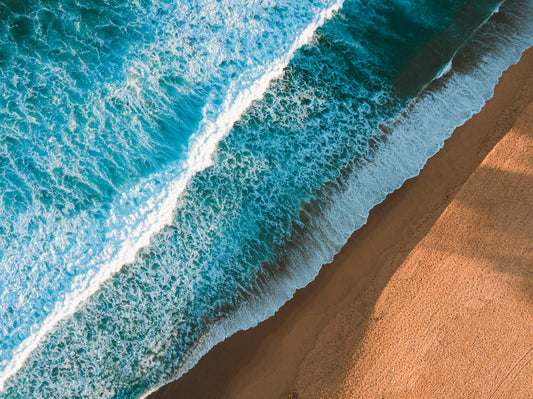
432,298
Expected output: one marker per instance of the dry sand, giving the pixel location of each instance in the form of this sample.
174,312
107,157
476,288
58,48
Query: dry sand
433,298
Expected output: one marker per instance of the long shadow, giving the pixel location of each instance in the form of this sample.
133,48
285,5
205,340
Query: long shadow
482,252
405,217
494,225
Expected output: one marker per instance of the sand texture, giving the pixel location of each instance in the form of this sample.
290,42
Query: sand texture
432,298
456,319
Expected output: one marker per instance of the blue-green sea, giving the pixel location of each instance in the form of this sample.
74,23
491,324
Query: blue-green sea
171,171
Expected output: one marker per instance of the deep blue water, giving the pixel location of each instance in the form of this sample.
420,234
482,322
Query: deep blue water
171,172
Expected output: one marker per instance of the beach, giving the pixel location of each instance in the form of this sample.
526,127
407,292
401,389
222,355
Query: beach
179,175
431,298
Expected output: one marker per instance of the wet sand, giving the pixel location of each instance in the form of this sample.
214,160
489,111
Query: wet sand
432,298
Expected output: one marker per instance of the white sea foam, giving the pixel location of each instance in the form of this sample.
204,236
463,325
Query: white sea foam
416,136
445,70
157,211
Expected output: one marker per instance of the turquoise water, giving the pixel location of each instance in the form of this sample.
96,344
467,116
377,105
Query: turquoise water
172,172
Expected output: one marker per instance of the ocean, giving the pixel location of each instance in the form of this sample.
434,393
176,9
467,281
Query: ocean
172,171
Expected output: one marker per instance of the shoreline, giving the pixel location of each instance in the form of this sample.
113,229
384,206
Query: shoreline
266,361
